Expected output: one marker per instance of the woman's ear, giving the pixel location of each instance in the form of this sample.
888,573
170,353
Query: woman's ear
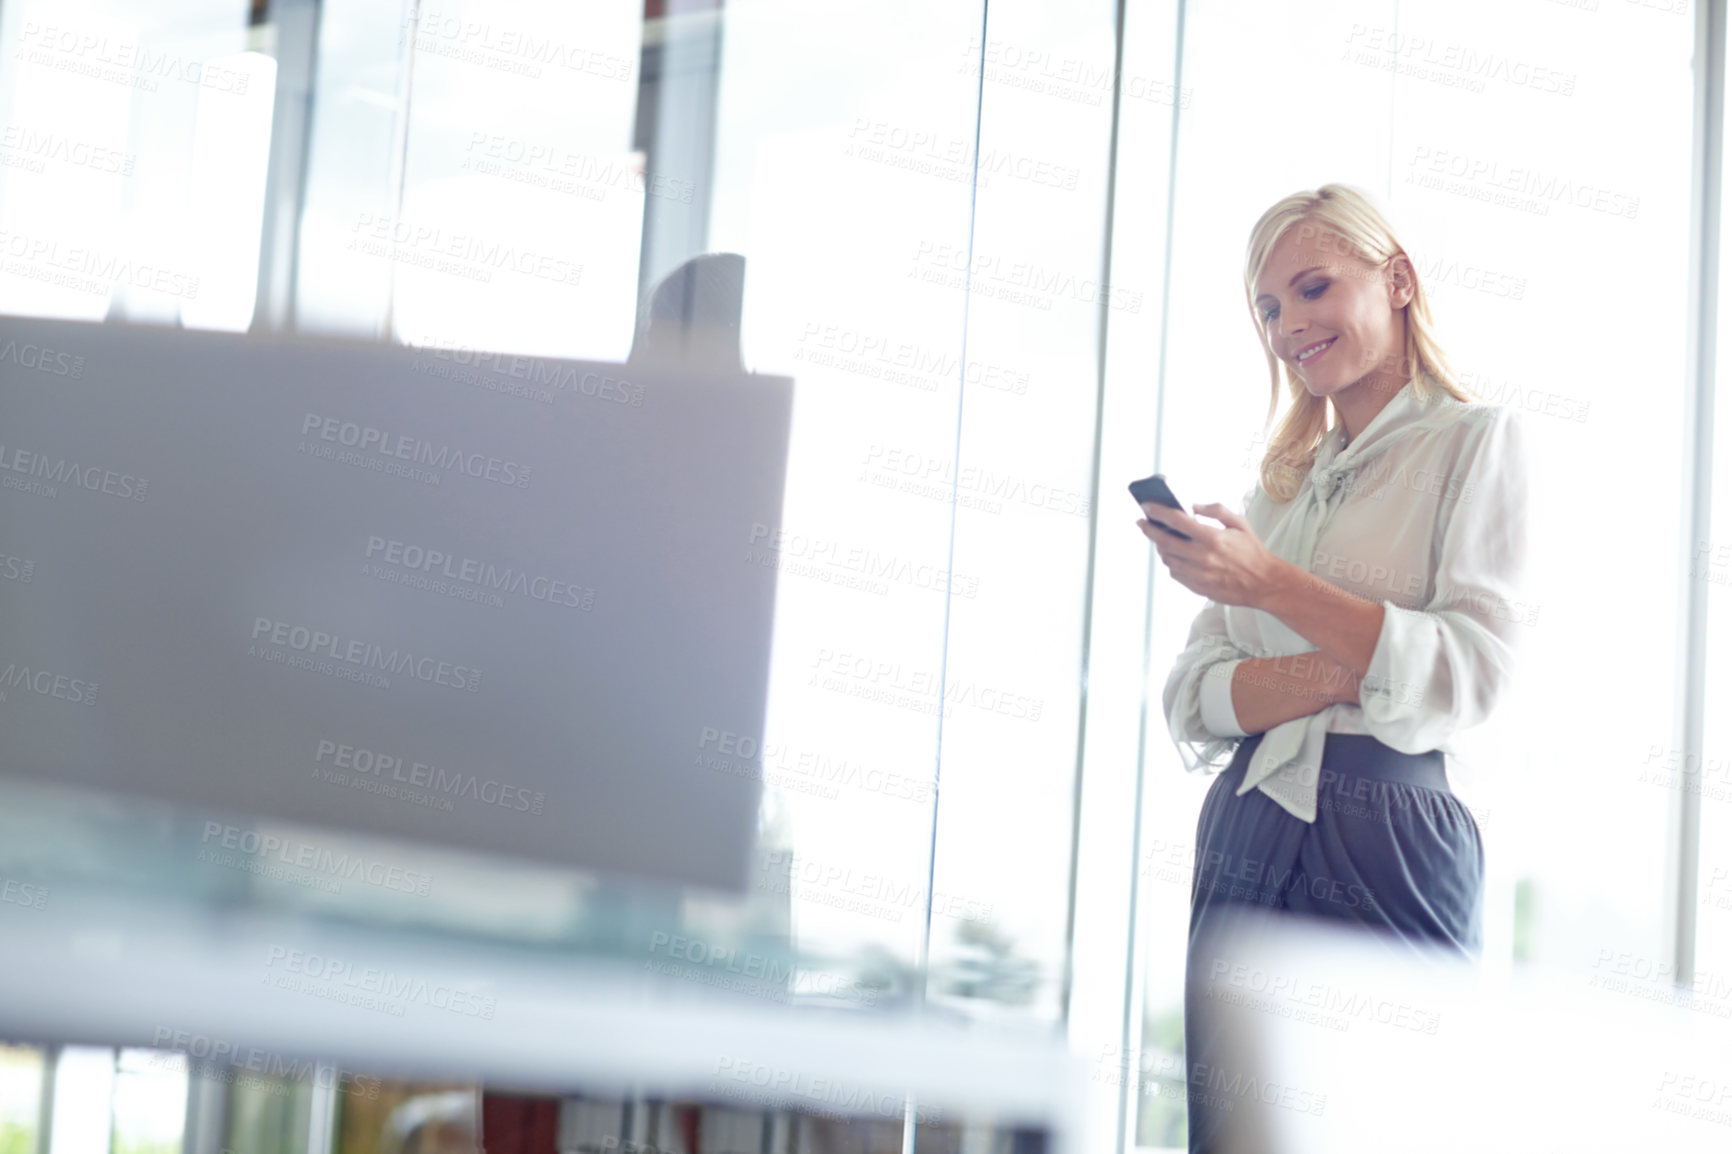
1401,281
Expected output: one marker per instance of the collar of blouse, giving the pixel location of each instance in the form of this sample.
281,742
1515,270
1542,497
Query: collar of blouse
1401,416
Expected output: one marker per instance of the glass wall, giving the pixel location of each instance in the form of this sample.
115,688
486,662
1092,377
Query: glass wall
1538,158
902,208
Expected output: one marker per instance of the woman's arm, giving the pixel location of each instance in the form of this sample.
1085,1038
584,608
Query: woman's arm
1342,624
1207,648
1270,690
1230,565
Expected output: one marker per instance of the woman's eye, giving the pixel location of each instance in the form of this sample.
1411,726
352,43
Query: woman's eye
1269,313
1312,292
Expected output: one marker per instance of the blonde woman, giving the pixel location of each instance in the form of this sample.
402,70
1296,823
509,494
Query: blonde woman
1361,611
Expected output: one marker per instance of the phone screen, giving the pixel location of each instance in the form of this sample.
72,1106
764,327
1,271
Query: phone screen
1154,489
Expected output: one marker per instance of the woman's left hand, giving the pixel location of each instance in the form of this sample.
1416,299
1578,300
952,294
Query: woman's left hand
1228,565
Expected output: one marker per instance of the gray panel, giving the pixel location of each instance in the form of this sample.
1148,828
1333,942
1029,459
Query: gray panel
264,554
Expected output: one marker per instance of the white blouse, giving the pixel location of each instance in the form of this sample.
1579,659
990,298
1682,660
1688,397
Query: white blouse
1426,511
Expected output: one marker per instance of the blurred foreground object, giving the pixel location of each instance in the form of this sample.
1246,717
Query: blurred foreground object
1352,1043
434,593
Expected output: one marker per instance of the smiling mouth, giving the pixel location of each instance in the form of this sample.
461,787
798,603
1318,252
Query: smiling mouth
1312,352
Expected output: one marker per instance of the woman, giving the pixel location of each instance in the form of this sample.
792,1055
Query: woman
1361,611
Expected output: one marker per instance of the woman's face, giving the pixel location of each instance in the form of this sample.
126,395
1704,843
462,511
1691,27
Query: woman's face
1334,319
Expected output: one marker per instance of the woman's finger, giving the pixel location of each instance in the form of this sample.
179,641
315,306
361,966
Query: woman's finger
1222,514
1156,538
1175,519
1151,527
1172,550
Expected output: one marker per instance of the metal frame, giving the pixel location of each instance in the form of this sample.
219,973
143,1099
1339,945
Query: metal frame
679,83
1088,615
205,1129
1136,963
1701,321
322,1110
45,1098
297,49
1109,795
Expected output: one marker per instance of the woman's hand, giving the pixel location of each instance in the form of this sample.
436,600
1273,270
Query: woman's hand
1228,565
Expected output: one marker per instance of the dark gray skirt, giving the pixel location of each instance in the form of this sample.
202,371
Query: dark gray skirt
1393,852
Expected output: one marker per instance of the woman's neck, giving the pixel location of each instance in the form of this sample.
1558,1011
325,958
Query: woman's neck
1358,405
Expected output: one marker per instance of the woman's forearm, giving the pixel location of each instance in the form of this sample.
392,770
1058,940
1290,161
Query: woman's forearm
1344,625
1270,690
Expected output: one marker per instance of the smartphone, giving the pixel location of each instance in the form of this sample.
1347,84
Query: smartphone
1155,489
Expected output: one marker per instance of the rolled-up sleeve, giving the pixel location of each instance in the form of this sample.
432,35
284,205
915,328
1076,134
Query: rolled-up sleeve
1215,699
1443,668
1208,654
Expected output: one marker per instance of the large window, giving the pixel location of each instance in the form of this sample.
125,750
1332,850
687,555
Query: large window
1532,180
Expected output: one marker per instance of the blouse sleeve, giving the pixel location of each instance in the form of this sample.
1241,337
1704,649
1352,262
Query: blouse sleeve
1198,712
1442,668
1207,650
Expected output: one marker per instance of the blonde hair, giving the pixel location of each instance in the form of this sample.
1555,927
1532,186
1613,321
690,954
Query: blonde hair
1344,212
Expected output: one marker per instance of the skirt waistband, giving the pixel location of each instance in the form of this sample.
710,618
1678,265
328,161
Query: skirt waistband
1362,755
